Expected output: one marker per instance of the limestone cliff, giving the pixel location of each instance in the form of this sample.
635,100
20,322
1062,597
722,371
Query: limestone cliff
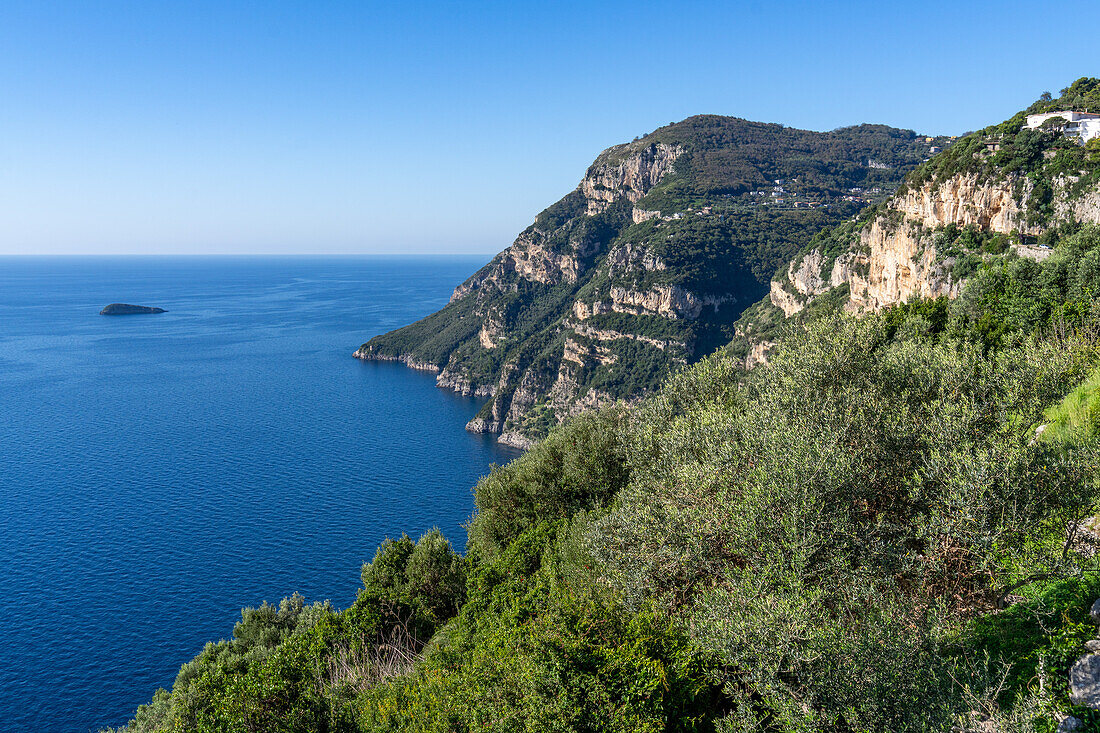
894,258
1005,187
626,171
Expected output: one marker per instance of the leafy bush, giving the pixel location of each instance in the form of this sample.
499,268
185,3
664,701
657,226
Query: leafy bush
578,467
860,497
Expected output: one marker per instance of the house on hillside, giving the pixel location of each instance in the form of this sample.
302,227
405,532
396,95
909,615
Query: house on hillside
1082,125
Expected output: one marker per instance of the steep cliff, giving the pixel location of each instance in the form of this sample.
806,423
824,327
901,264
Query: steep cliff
644,266
1002,192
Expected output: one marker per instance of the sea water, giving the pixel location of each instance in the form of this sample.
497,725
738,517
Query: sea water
160,472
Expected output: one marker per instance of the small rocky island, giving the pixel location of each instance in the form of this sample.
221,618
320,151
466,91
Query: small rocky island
125,309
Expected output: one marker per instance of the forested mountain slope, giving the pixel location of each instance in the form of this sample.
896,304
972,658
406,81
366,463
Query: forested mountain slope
645,265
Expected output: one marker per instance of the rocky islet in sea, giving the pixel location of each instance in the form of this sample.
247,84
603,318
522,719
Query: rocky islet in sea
125,309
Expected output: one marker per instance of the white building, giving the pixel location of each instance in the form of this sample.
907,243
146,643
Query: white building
1082,125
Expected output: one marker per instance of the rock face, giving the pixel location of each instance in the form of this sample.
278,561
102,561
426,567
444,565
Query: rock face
125,309
1084,681
642,268
615,175
894,259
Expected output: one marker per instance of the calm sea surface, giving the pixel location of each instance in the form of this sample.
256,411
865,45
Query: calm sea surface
158,473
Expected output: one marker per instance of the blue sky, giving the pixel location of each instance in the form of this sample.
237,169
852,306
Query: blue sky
360,127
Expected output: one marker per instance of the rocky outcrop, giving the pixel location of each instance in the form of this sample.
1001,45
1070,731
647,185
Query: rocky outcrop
583,311
606,334
967,200
758,354
1084,675
584,354
631,258
1072,204
492,331
894,259
1084,681
525,330
902,261
626,171
515,439
367,353
460,383
125,309
528,258
670,301
785,300
902,265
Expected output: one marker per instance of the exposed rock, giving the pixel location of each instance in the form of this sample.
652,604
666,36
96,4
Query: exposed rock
1084,681
670,301
902,265
565,397
630,258
1093,645
758,354
967,200
460,383
895,259
584,354
626,171
1095,611
806,277
516,330
583,311
515,440
786,301
609,335
367,353
492,331
125,309
480,425
1069,724
1084,206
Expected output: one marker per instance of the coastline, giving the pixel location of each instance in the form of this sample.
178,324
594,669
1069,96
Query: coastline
508,438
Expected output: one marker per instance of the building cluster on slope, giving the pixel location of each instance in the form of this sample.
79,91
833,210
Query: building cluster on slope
1082,125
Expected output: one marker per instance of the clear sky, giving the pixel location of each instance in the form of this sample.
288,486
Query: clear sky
426,127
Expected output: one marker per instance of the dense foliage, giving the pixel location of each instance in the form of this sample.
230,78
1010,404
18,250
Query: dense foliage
864,535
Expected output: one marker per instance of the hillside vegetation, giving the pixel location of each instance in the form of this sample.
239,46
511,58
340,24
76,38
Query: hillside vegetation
645,266
863,534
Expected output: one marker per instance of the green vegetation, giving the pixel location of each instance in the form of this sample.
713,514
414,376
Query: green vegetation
863,535
1077,416
1014,295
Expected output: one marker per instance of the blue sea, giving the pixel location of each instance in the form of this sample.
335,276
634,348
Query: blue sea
160,472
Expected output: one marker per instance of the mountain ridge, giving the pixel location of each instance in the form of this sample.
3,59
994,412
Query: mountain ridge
644,265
